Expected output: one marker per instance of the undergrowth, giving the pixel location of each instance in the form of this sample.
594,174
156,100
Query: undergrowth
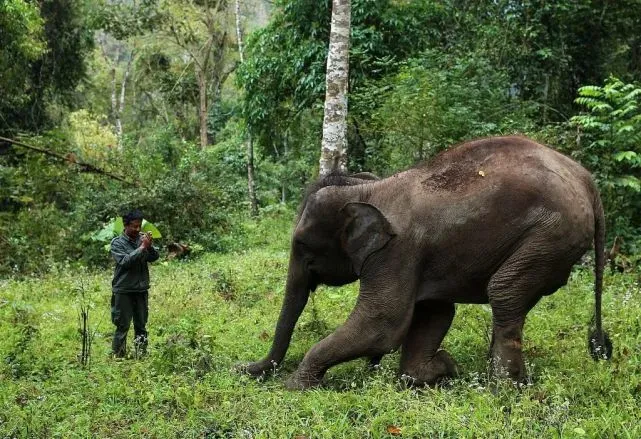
210,313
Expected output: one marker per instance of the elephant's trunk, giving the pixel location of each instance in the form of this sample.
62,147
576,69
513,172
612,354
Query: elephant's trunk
296,295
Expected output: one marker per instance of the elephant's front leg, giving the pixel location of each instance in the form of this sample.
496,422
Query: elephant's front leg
376,326
421,360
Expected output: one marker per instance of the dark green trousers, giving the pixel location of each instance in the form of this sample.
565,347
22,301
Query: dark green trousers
124,308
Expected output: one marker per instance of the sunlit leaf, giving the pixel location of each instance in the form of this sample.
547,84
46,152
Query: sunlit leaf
118,225
146,226
149,227
629,156
393,430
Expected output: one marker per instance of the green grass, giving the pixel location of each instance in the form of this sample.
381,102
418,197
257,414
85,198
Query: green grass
211,313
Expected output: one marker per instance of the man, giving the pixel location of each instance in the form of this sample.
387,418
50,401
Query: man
132,251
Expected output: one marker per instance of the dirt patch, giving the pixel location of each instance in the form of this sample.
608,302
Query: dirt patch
454,177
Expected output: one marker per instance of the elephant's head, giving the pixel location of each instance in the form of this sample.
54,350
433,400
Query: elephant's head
335,234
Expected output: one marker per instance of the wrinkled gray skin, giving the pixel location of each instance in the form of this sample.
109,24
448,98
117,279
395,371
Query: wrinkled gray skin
499,221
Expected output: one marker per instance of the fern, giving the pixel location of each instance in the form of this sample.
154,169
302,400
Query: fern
611,128
591,91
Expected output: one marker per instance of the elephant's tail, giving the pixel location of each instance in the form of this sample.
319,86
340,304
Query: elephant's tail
599,343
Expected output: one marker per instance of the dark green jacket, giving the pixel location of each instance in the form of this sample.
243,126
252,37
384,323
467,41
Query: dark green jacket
131,274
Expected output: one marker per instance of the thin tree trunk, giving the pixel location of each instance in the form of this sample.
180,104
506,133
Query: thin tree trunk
546,90
283,187
251,181
334,144
114,96
114,100
215,98
121,107
239,34
202,90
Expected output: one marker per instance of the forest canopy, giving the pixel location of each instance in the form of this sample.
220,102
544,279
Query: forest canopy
147,104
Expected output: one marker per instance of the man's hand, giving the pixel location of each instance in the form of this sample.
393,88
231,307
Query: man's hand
146,241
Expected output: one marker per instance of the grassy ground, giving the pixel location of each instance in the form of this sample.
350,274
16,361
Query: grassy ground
209,314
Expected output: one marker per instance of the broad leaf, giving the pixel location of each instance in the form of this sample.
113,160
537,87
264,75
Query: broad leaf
117,227
149,227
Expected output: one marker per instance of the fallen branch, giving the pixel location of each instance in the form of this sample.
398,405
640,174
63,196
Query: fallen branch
70,158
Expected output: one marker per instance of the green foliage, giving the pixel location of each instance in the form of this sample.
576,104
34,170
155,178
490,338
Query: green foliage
54,210
42,50
124,19
539,52
549,49
610,132
92,139
115,227
285,69
434,102
21,43
209,314
423,76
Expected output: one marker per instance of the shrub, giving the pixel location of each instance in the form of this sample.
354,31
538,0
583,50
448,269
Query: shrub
434,102
609,144
51,210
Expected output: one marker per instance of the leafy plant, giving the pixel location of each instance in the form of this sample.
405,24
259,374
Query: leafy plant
21,43
85,304
115,227
610,145
433,102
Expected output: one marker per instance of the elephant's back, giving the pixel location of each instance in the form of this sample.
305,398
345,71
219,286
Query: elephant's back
507,182
475,165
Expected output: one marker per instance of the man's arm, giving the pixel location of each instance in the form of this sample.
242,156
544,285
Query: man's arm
123,257
152,254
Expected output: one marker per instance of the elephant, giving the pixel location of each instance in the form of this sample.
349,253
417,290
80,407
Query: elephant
498,220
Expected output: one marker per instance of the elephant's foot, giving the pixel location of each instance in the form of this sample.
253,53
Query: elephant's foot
507,362
374,361
512,368
440,367
257,368
302,380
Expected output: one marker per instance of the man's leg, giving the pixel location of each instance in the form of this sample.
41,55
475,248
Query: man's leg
121,311
141,314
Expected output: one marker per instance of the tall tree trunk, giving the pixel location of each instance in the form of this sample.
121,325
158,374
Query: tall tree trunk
114,94
239,34
283,186
251,185
121,107
334,145
202,113
546,90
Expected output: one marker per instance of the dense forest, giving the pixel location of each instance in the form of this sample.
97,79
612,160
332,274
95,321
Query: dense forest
158,104
210,117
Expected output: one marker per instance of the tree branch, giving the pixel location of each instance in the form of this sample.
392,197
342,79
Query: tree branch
152,102
84,167
184,46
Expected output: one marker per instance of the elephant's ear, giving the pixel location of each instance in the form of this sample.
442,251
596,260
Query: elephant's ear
366,231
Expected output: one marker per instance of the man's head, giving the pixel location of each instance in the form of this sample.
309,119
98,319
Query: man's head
132,221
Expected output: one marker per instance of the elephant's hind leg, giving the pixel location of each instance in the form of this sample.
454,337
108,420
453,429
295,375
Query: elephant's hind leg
533,271
421,361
